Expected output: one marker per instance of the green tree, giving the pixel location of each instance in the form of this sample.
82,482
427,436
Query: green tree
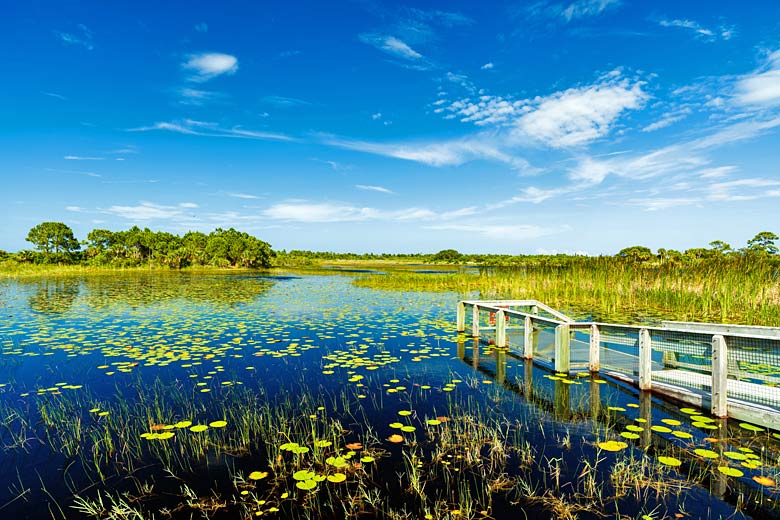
720,247
449,256
53,237
636,254
763,243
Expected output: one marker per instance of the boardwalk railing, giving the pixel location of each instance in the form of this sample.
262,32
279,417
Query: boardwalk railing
732,370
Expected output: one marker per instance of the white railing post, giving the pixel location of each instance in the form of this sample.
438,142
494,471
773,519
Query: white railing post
475,321
500,329
720,375
595,346
562,348
461,317
528,338
645,359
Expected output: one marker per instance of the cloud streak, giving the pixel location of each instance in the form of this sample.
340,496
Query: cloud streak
207,129
208,65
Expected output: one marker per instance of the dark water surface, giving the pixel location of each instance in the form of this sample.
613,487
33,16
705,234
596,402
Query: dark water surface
300,384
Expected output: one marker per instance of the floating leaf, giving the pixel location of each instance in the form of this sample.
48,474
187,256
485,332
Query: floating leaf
433,422
729,471
306,485
337,477
355,446
408,429
405,413
634,428
612,445
258,475
303,474
735,455
218,424
629,435
751,427
322,443
367,459
707,454
682,435
660,429
199,428
395,438
671,422
669,461
764,481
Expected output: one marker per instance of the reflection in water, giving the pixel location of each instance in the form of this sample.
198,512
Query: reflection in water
104,293
54,296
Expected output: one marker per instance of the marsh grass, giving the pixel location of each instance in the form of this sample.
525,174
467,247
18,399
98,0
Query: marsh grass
611,290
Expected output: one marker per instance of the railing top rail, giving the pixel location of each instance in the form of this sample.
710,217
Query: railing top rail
501,305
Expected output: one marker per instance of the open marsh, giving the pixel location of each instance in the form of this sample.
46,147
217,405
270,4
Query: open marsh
203,395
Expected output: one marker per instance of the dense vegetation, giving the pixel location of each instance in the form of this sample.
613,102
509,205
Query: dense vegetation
55,244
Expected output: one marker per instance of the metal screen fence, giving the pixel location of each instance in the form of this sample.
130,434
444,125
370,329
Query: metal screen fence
754,370
619,349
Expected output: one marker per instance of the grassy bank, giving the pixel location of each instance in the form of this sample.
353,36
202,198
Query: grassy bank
616,291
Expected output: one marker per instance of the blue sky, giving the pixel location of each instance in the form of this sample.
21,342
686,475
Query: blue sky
507,127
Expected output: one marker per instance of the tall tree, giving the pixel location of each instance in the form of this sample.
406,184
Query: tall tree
53,237
763,243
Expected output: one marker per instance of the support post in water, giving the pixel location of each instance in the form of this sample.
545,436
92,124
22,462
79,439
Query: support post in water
595,342
461,318
562,348
645,359
475,321
719,376
528,338
500,329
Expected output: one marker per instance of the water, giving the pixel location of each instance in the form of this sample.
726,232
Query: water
91,364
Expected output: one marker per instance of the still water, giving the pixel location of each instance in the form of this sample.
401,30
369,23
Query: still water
301,396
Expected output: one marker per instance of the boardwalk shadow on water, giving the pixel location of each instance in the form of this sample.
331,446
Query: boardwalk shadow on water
238,395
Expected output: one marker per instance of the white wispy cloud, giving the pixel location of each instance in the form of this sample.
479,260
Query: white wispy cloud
488,66
324,212
578,116
724,33
190,205
573,117
207,65
763,86
75,209
566,12
515,232
149,211
668,119
380,189
208,129
243,195
81,158
445,153
196,97
282,101
82,38
202,27
390,45
55,95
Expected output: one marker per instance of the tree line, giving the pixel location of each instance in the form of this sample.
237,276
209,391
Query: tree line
55,243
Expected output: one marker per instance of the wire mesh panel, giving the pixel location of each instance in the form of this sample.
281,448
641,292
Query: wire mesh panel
619,349
754,370
683,359
544,340
580,348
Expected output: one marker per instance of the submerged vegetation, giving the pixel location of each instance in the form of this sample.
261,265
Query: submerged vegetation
238,395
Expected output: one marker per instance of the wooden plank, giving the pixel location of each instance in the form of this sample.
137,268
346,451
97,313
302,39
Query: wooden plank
723,328
595,348
528,339
500,329
720,373
461,317
562,349
737,390
475,321
645,360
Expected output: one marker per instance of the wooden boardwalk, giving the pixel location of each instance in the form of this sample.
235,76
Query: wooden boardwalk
732,370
